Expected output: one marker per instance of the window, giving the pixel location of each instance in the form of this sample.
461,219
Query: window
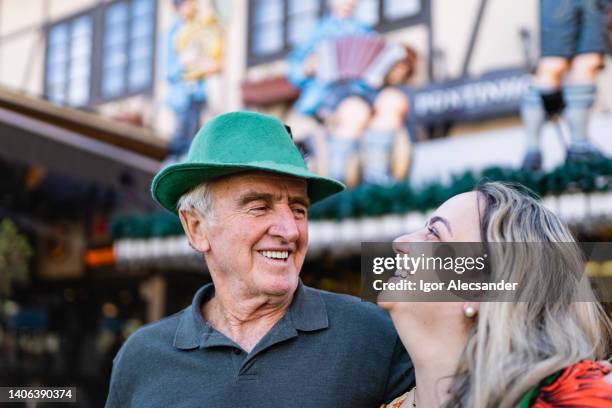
275,26
103,54
128,46
399,9
367,11
386,15
302,15
68,67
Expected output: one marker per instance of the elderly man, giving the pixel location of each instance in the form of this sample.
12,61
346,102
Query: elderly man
256,336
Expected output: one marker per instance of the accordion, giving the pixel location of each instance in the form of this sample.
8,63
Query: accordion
365,57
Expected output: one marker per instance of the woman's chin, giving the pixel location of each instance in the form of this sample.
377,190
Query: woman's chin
384,304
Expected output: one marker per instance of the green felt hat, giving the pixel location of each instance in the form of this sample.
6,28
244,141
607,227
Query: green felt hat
236,142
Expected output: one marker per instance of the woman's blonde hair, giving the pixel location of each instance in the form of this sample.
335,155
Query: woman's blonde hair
514,345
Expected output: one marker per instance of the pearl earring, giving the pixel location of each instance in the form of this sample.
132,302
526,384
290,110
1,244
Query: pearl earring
469,311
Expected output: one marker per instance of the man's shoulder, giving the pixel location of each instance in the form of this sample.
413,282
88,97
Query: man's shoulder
348,301
143,358
155,337
353,309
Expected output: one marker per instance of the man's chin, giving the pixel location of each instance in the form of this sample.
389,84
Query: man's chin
279,286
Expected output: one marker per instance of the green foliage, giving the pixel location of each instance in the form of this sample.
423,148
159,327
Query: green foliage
587,177
15,253
371,200
146,225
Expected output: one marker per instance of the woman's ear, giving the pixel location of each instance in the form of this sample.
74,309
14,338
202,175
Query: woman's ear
195,229
471,309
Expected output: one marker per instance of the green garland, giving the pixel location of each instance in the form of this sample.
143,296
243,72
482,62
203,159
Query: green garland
372,200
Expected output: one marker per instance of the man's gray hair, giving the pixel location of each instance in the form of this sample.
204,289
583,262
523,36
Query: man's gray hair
198,198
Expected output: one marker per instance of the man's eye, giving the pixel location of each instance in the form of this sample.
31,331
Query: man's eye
300,211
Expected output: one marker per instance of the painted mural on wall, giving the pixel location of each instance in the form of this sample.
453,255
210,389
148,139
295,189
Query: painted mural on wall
350,115
193,52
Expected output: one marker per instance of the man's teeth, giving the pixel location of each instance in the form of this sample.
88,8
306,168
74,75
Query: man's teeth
276,254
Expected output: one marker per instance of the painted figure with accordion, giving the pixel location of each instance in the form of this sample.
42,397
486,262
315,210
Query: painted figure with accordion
346,72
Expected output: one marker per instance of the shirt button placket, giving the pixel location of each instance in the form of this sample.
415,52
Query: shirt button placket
237,359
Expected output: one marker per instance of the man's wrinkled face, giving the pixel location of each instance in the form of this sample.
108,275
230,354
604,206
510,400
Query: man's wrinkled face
258,234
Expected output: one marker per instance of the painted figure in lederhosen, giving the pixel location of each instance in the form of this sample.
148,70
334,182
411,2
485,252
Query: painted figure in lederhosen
573,44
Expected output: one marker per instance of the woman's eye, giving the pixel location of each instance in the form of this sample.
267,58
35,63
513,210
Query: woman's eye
433,232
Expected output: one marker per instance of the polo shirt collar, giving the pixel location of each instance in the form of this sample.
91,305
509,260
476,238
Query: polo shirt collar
307,312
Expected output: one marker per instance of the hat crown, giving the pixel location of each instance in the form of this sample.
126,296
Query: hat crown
244,138
232,143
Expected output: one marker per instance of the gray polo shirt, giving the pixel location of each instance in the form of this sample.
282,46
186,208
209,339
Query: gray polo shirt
328,350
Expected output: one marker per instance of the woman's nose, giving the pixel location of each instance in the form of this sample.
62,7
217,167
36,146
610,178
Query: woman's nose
412,237
401,243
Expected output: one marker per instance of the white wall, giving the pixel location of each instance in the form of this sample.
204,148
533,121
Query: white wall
498,45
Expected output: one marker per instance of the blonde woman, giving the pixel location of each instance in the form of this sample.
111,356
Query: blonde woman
540,353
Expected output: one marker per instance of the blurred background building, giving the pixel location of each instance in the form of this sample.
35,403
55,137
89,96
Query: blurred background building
84,127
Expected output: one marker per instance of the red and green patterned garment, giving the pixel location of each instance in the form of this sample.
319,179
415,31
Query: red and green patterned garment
582,385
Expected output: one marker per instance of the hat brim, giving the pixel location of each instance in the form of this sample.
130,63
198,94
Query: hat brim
177,179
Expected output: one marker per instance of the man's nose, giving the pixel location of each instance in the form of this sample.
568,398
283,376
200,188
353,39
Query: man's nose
285,225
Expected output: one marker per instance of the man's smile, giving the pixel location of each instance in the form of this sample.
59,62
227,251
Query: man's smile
276,255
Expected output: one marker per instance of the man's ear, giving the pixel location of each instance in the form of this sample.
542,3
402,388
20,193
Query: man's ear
195,229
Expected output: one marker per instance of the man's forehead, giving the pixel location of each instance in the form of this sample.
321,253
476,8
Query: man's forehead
261,180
